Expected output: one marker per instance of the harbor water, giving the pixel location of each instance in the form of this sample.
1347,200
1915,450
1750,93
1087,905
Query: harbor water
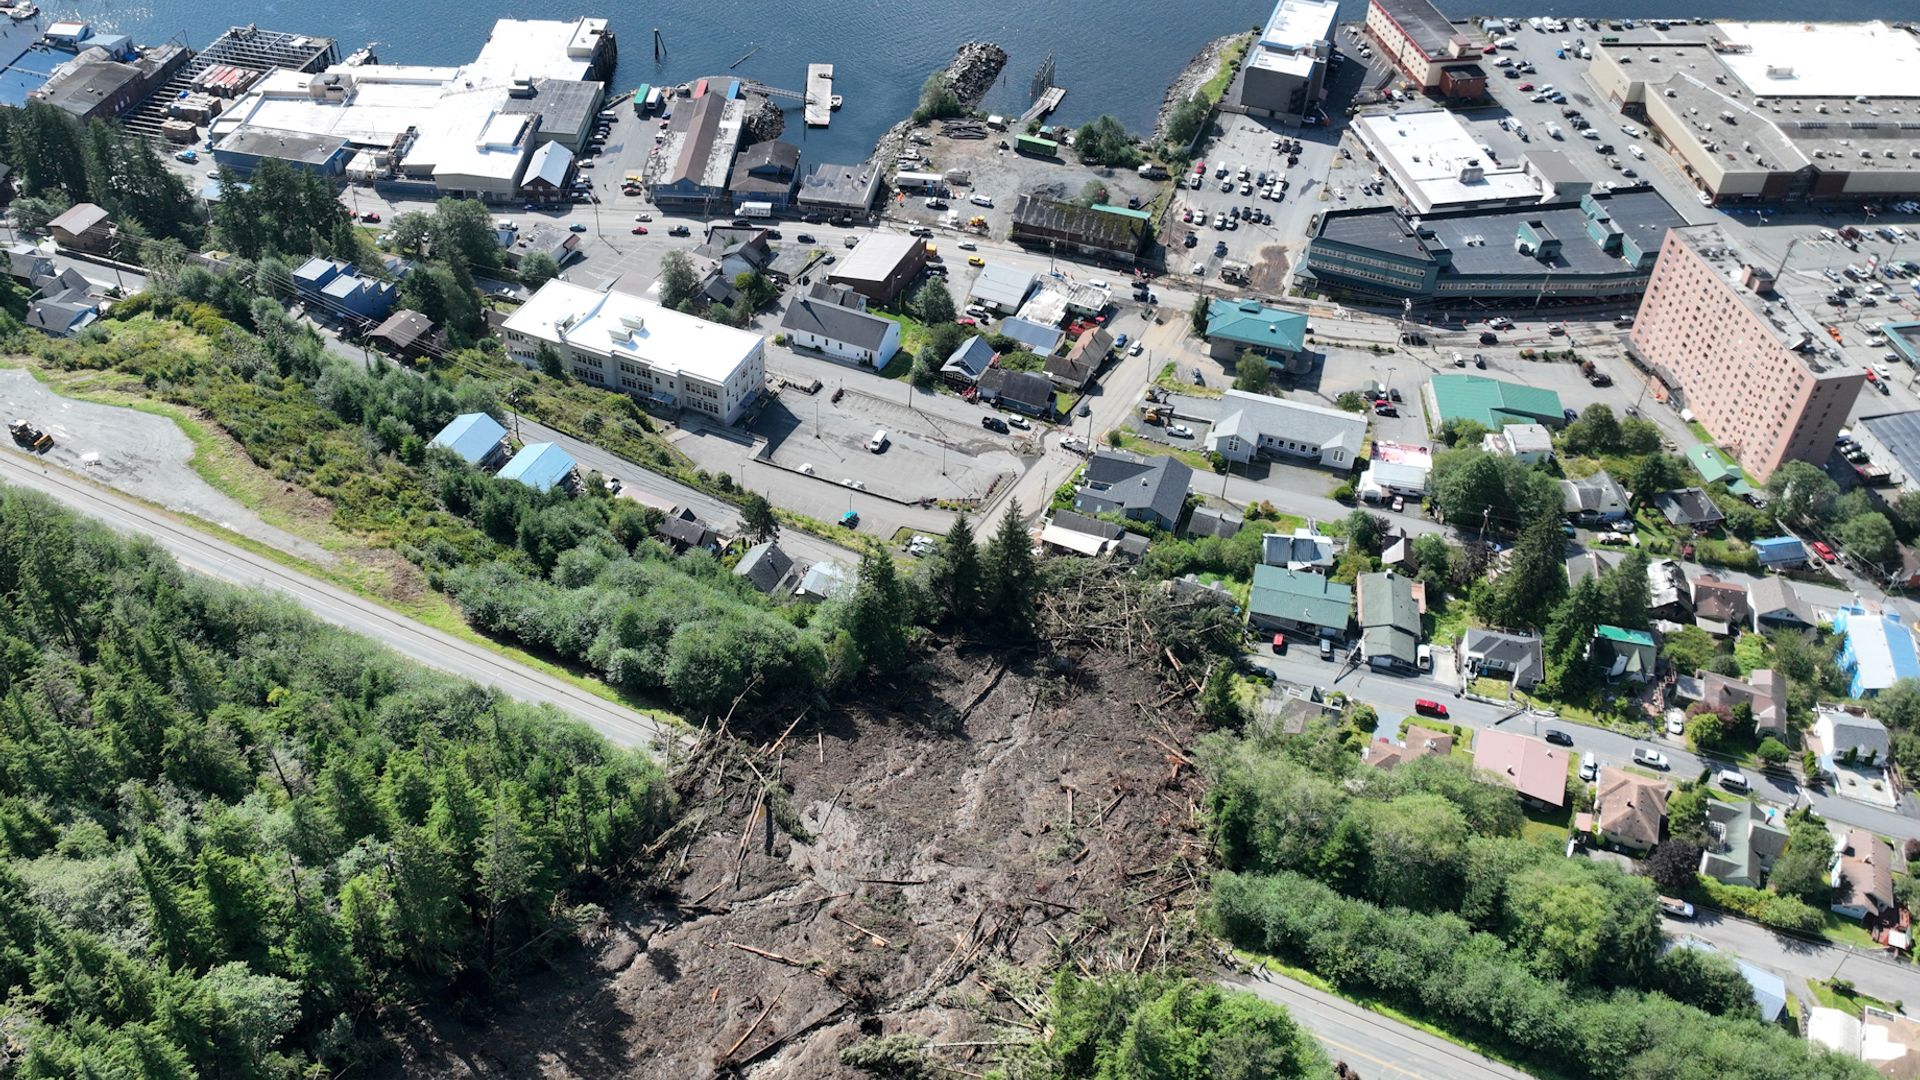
1116,56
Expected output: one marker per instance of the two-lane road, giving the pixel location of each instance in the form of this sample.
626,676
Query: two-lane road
1379,1048
216,558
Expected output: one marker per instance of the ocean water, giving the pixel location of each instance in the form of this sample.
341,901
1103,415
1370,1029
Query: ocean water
1114,57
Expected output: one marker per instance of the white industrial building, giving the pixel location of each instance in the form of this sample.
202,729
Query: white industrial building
1435,161
465,131
1285,70
632,344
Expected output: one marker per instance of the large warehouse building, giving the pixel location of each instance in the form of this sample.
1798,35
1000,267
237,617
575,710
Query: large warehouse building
1438,164
464,131
1779,112
1286,69
1428,49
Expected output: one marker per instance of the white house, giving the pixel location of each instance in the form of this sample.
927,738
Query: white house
832,320
1531,443
1255,425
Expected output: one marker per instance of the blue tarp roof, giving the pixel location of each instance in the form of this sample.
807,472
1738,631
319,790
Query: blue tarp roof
471,435
539,466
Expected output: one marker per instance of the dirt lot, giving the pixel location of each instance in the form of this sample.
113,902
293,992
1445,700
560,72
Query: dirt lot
138,453
1004,176
901,853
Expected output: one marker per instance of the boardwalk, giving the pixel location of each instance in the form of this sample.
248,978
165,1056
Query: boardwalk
819,94
1049,101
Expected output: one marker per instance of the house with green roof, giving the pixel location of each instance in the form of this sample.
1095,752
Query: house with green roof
1389,622
1297,601
1233,325
1715,467
1626,654
1491,403
1745,842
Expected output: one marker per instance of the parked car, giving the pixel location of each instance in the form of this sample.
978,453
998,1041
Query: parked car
1429,707
1558,737
994,423
1677,909
1180,431
1676,722
1589,767
1652,759
1279,645
1733,780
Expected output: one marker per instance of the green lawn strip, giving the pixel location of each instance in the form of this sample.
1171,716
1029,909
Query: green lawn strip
1374,1005
430,608
1448,621
1844,931
1230,56
1193,459
1825,995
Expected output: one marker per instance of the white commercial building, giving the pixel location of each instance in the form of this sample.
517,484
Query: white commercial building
1285,70
632,344
466,130
1436,162
1255,425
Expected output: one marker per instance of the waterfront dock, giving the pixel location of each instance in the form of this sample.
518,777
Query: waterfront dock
1049,100
819,94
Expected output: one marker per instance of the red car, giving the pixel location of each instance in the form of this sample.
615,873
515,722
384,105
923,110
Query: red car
1429,708
1524,87
1199,168
1280,644
1821,549
639,230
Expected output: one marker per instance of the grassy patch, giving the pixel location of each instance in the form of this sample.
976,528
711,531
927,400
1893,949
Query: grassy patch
1230,56
1448,621
1827,997
913,335
1487,686
1192,458
1844,931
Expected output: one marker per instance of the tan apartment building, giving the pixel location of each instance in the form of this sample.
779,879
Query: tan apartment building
1741,364
1427,48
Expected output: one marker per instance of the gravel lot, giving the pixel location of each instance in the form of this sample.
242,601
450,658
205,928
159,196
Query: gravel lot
138,453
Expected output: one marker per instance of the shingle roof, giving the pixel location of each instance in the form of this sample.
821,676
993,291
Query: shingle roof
1631,807
1301,597
1390,620
1744,842
1592,493
1029,388
1688,506
971,359
1536,769
1248,416
404,327
829,320
1123,482
765,565
1866,872
1519,653
78,218
1249,322
1721,601
1775,598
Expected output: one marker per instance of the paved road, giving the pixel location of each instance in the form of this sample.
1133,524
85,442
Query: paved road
1871,972
216,558
1381,1049
1393,696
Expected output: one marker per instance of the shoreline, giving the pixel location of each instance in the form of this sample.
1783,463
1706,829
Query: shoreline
1204,65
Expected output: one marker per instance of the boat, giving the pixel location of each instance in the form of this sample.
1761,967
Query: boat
835,101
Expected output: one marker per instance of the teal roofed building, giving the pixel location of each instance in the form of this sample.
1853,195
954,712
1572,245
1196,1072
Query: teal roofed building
1491,403
1233,325
1716,467
1299,601
1626,654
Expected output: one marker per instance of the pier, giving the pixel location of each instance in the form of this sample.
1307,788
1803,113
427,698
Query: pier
246,47
819,94
1049,101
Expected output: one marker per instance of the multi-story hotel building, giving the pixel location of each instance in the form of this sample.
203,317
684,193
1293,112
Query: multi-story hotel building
1739,360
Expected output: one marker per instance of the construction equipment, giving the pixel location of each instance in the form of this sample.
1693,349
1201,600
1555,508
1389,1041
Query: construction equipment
29,436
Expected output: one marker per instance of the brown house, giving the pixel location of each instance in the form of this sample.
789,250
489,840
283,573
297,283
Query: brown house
407,334
1631,809
1419,743
84,227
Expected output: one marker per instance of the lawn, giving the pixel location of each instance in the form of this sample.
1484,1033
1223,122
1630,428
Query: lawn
1236,50
1448,621
1193,459
1827,997
913,335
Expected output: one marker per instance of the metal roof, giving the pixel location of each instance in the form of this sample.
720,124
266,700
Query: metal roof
876,257
549,164
473,436
1299,597
1249,322
1001,285
1492,402
835,323
539,466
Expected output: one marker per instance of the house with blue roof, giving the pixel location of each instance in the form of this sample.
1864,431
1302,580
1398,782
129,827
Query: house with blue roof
334,286
1780,551
540,466
1035,338
1876,650
1236,325
476,437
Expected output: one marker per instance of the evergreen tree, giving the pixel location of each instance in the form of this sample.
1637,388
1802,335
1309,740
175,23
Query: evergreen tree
1010,578
1535,577
758,520
953,574
878,615
1568,634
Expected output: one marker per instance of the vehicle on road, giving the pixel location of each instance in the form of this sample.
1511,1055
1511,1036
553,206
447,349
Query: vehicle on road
975,260
1135,349
1326,649
1589,767
964,245
1279,645
1733,780
188,156
1652,759
679,230
1677,909
1821,549
1429,707
1020,422
994,423
639,230
576,227
1558,737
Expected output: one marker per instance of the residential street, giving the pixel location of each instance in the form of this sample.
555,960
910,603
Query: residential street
216,558
1394,696
1382,1049
1799,959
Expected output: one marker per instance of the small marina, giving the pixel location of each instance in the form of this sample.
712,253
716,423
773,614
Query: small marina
821,100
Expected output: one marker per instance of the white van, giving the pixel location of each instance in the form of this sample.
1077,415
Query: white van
1635,150
1589,767
878,442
